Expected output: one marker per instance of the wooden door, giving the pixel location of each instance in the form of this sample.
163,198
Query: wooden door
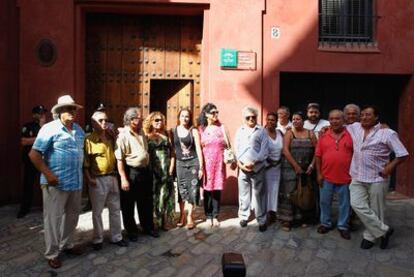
125,54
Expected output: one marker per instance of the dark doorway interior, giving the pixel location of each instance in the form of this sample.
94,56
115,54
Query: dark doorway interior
336,90
169,96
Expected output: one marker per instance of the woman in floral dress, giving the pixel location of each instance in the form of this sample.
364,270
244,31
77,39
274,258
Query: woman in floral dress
159,148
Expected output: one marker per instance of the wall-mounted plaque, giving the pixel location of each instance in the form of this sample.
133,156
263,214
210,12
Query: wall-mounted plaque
46,52
246,60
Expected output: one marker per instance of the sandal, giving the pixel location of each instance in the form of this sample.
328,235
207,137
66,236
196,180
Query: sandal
286,226
190,225
181,223
54,263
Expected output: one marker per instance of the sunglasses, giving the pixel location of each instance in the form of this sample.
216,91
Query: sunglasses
158,120
102,120
252,117
213,112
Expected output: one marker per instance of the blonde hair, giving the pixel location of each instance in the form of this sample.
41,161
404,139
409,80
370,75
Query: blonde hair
147,125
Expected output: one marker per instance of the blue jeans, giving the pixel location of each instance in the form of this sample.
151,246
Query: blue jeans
326,193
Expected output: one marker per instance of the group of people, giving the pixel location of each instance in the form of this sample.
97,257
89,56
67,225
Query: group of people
137,164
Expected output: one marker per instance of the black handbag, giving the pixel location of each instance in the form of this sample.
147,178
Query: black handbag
233,265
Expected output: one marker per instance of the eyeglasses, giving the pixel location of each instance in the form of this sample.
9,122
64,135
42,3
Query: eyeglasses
102,120
251,117
213,112
158,120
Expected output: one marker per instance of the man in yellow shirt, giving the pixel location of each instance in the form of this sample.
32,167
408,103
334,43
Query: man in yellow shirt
100,172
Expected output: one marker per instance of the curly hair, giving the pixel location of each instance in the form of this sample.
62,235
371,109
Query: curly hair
202,118
147,125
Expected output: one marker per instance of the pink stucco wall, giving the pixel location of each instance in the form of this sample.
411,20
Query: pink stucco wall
240,24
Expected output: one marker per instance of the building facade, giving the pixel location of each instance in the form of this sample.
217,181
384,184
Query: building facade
167,54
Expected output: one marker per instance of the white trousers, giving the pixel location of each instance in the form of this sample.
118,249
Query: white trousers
368,202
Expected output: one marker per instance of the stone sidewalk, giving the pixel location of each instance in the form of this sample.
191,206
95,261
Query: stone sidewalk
179,252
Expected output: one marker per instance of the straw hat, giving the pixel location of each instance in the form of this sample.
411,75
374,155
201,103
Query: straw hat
64,101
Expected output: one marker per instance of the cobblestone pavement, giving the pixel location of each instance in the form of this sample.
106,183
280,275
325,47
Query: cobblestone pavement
180,252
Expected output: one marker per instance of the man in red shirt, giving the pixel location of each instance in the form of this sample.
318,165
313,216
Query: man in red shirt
333,159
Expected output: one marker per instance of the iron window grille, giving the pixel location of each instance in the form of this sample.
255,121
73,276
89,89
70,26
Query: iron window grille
346,21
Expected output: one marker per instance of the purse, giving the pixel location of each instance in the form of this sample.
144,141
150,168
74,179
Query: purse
228,154
304,196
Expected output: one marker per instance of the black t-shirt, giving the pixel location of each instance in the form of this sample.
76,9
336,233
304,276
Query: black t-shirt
29,130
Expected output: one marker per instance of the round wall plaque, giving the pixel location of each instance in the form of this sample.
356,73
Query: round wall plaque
46,52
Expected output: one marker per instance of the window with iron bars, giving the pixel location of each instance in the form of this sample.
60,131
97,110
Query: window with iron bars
346,21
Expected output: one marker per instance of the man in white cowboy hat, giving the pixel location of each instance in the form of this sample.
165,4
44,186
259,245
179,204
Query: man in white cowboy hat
58,154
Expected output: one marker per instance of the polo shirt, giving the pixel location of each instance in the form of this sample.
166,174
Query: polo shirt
336,157
62,151
99,155
132,148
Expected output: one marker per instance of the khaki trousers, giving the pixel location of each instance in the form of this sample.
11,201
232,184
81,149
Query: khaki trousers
106,192
368,202
60,215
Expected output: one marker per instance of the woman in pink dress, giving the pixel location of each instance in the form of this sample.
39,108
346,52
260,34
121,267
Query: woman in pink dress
213,142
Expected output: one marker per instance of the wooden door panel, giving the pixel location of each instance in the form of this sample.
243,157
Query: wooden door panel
125,52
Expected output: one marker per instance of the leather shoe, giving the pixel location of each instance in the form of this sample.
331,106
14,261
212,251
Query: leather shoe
74,251
262,228
152,233
97,246
366,244
121,243
243,223
133,237
54,263
386,238
345,234
322,229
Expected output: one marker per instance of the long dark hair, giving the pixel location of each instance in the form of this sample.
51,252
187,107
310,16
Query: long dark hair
202,118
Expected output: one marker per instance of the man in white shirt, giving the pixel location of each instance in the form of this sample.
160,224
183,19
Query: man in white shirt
314,122
283,121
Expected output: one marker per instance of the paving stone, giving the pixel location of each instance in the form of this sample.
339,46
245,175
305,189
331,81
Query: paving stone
316,267
324,254
229,239
292,243
250,236
119,273
305,255
158,250
188,271
100,260
386,271
383,257
165,272
210,270
143,272
202,247
213,239
329,244
121,251
311,243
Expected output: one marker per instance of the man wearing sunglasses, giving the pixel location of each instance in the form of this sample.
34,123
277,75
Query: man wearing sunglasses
100,172
58,154
251,152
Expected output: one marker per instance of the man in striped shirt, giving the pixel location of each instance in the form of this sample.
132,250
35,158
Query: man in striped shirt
370,169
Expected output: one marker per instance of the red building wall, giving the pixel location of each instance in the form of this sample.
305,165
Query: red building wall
9,97
240,24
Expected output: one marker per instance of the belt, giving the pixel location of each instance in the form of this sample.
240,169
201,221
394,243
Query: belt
272,163
108,174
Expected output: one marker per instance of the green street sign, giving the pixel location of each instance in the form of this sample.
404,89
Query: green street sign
228,58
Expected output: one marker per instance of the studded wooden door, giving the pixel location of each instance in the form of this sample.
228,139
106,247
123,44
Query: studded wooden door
126,54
